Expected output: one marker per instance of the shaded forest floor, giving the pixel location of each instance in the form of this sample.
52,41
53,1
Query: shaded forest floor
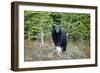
75,50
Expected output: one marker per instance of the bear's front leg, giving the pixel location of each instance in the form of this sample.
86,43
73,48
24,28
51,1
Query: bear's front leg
59,51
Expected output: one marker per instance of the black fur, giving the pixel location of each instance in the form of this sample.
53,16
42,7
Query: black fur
59,37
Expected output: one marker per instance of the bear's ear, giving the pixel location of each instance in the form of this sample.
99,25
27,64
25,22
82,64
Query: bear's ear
53,26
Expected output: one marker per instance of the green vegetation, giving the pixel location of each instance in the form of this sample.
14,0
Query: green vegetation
76,25
38,40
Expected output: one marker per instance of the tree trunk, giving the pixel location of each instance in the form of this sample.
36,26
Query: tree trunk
42,38
68,31
28,35
81,35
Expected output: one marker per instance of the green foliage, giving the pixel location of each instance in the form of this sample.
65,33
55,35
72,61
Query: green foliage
76,25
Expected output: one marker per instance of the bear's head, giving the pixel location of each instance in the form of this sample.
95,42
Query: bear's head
56,28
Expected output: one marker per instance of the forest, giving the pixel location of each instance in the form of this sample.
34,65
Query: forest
38,40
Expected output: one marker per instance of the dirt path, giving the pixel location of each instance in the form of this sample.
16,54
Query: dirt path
72,52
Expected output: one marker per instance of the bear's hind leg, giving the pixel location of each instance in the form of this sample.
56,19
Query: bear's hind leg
64,49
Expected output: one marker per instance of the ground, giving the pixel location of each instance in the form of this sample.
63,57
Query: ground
35,52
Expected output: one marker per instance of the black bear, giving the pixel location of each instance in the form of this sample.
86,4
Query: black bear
59,38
